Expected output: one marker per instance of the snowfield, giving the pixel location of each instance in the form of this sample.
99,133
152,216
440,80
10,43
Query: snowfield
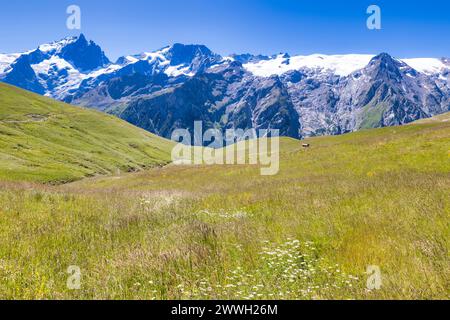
427,65
341,65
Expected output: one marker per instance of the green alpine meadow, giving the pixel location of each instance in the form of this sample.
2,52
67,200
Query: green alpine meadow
92,207
42,140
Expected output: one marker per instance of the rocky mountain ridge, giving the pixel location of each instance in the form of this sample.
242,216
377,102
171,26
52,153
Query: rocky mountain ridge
172,87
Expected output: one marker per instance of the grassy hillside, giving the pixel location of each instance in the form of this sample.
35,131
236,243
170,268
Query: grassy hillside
376,197
48,141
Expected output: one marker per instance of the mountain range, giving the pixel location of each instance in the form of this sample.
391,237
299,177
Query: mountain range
170,88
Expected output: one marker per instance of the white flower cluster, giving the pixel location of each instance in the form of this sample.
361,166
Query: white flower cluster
292,270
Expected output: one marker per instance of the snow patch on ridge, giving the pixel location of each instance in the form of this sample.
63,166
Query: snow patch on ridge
55,47
175,71
6,60
68,77
426,65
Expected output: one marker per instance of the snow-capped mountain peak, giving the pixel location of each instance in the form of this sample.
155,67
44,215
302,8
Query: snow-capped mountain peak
84,55
175,60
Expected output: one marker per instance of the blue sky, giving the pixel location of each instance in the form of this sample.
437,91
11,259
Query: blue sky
409,28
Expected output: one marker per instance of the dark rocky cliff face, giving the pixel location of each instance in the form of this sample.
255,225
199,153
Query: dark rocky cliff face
84,55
